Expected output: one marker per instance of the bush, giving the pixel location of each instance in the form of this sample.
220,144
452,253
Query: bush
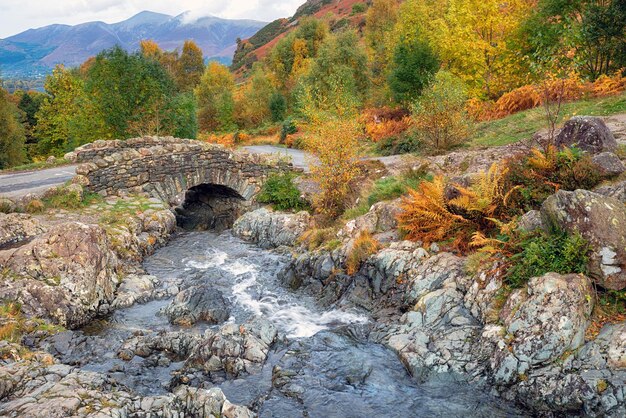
280,191
540,254
358,8
35,206
466,216
288,127
278,107
440,114
363,247
406,143
542,173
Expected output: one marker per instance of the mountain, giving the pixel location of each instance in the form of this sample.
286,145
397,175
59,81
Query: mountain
36,51
338,13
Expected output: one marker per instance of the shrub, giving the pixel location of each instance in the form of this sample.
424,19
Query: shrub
318,237
437,211
288,127
358,8
540,254
35,206
542,173
63,198
405,143
280,191
364,246
389,188
440,114
278,107
378,130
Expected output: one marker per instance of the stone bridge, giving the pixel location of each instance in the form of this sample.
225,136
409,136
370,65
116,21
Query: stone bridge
209,185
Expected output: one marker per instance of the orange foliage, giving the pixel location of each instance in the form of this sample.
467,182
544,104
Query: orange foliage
364,246
229,140
385,128
531,96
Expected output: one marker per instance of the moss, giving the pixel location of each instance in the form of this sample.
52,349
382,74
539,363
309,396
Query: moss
601,385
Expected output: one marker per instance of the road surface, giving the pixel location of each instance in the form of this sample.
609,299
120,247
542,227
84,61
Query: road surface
298,157
24,182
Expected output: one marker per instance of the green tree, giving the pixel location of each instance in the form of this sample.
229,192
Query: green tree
252,106
278,107
58,109
414,64
12,138
215,99
130,92
189,66
29,104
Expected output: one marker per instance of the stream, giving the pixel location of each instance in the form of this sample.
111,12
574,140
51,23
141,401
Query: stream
338,372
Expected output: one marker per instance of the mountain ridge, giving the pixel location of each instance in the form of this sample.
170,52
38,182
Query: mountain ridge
34,52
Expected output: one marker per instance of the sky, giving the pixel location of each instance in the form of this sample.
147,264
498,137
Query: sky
18,15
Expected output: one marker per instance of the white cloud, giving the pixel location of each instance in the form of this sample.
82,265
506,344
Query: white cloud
19,15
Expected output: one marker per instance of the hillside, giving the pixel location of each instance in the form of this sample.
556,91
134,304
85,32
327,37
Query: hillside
339,13
36,51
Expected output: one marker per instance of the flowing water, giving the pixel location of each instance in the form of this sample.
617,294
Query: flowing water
337,372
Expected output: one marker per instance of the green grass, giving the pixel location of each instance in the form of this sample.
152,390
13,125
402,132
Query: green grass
523,125
37,166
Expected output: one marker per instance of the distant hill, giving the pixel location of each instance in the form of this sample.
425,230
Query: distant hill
340,13
36,51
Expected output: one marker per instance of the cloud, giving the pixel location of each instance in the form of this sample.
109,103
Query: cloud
19,15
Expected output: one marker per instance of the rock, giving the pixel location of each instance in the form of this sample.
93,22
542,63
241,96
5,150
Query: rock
230,410
17,227
65,274
198,303
530,221
380,218
272,229
600,220
7,205
550,319
134,289
617,191
51,159
587,133
609,164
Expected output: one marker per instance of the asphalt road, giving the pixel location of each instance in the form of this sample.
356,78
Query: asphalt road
299,158
24,182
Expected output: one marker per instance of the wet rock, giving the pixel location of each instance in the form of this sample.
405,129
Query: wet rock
272,229
135,289
17,227
600,220
66,274
587,133
608,164
198,303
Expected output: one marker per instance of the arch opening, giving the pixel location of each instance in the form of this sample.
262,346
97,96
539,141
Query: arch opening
209,206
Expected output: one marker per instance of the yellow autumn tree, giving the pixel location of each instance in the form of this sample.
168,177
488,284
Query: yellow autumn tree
381,17
214,95
470,38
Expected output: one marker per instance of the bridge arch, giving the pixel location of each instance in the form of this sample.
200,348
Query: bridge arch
188,174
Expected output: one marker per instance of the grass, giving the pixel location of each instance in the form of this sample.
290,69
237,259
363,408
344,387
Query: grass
524,125
609,309
13,324
388,188
37,166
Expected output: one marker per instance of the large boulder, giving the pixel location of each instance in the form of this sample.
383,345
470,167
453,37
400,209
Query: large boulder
599,219
198,303
16,227
272,229
68,274
380,219
608,164
548,318
587,133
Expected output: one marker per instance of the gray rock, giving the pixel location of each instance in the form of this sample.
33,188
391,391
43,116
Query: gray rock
134,289
531,221
609,164
588,133
66,274
551,320
272,229
381,218
198,303
599,219
616,191
17,227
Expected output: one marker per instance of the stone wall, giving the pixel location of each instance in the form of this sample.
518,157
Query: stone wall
103,148
166,168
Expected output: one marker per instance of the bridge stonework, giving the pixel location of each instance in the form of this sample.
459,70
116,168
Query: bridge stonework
166,168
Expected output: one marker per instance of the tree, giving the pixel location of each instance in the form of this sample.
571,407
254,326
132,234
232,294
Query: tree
130,92
54,117
380,20
189,67
12,138
29,104
336,80
440,114
252,106
414,64
215,100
